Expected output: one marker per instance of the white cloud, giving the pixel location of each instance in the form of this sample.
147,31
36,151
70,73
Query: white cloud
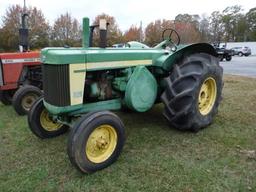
127,12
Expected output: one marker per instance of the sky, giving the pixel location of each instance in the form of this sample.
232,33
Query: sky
129,12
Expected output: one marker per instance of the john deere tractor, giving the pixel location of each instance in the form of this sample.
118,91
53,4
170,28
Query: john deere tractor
82,85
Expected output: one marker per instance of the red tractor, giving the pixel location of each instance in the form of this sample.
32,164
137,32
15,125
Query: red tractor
20,75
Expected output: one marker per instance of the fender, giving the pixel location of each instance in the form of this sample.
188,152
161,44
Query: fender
183,51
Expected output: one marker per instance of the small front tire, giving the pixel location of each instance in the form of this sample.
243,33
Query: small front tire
41,123
96,141
24,98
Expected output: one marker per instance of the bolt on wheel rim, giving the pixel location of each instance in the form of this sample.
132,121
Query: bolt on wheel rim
28,101
207,96
47,123
101,144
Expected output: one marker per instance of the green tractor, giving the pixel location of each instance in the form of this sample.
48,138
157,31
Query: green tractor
82,85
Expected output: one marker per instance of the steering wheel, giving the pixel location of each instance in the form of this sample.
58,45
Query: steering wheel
170,37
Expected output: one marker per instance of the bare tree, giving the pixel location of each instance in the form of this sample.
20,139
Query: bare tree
66,31
114,34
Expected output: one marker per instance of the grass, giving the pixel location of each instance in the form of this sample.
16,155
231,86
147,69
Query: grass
155,157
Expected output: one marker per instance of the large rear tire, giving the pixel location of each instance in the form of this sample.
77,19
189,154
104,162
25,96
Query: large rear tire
96,141
41,123
6,96
193,92
24,98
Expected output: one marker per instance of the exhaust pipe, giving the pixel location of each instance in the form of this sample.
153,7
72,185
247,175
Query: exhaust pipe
103,33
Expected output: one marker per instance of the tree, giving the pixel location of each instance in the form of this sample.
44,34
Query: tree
188,27
132,34
187,18
188,32
153,31
251,20
114,34
38,28
241,29
1,40
204,28
216,27
66,31
231,16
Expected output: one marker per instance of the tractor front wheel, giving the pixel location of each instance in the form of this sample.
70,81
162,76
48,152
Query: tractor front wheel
193,92
96,141
6,96
41,123
24,98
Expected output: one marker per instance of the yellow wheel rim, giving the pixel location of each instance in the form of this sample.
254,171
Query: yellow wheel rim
47,123
101,144
207,96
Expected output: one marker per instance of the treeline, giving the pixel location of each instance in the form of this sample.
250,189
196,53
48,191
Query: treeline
229,25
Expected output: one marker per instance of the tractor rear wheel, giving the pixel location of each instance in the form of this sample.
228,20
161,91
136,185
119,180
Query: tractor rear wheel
193,92
41,123
96,141
24,98
6,96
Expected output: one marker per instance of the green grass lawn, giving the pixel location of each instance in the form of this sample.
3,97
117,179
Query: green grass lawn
155,157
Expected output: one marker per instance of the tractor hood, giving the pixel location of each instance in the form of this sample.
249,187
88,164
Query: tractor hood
110,58
98,59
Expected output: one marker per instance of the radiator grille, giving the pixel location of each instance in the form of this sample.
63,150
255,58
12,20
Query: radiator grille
56,84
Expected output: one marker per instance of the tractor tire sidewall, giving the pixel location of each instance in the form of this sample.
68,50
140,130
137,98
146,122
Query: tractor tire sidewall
188,116
20,94
201,121
80,134
6,96
35,124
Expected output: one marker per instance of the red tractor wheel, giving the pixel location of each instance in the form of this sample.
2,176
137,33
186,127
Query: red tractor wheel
6,96
24,98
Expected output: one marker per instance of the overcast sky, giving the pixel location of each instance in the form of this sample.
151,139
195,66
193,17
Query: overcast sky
128,12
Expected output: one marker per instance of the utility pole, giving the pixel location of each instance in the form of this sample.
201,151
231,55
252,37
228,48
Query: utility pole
141,33
24,4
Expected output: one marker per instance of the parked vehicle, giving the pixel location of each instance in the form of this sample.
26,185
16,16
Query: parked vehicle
133,44
224,53
241,51
119,45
